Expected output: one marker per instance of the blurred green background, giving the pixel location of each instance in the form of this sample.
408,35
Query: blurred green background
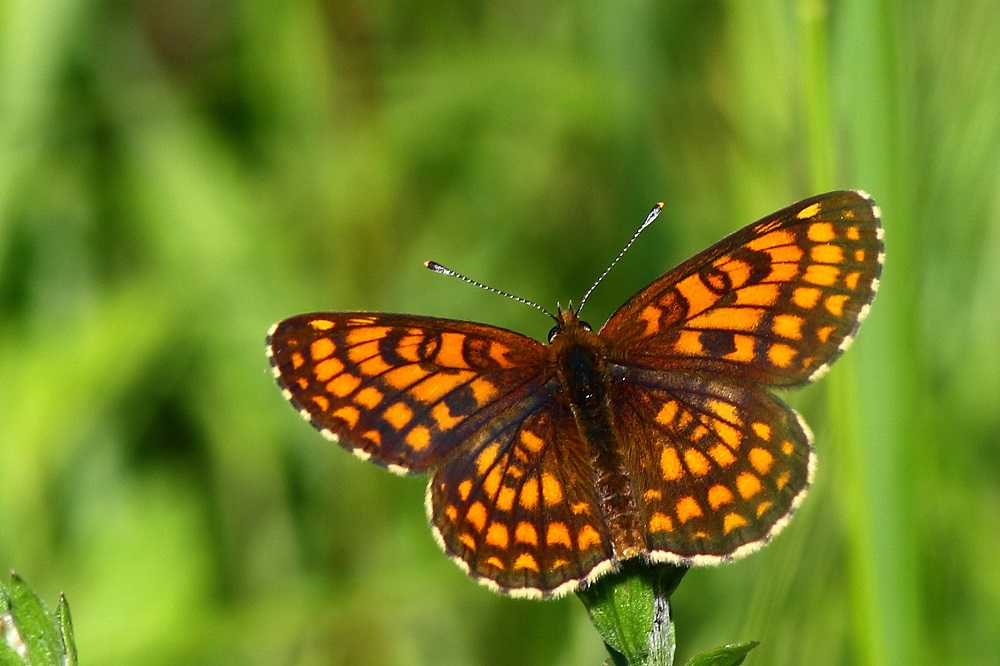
176,175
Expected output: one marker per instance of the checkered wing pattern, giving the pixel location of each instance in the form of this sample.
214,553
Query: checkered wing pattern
656,437
775,303
519,511
717,465
398,390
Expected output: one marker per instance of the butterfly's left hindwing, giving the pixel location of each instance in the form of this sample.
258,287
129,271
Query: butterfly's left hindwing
518,510
399,390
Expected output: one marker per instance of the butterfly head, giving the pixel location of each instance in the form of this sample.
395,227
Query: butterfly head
567,320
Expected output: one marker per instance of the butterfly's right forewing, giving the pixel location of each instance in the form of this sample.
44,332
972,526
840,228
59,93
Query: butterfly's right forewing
776,302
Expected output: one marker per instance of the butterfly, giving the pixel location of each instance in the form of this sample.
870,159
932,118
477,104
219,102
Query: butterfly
656,437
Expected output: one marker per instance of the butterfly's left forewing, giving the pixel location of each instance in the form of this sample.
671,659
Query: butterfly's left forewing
401,391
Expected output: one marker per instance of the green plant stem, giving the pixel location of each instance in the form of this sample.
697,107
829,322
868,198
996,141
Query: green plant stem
631,610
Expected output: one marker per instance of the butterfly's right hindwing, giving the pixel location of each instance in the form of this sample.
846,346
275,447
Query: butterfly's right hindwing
717,465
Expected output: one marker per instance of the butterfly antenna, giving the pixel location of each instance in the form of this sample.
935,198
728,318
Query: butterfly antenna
649,220
443,270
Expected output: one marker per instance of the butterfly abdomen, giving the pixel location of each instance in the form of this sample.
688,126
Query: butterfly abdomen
584,377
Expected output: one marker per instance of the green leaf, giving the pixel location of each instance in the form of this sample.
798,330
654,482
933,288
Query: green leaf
9,657
631,610
65,623
30,634
727,655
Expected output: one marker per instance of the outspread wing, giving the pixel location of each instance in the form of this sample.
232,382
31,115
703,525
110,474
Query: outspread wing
402,391
775,303
520,512
717,465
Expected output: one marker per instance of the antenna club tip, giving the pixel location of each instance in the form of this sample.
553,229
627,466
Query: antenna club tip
660,204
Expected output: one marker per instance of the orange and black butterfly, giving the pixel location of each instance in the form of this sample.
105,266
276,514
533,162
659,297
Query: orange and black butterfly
656,437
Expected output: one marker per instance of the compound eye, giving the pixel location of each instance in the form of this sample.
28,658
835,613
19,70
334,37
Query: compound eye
585,326
556,330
